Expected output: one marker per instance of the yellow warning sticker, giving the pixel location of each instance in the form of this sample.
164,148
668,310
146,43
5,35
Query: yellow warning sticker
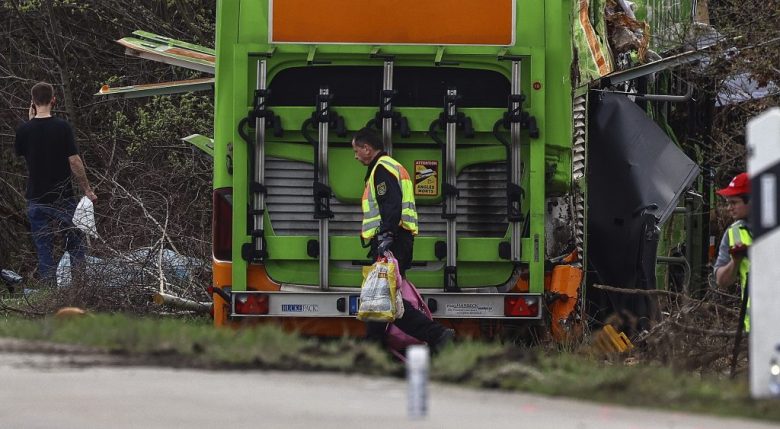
426,178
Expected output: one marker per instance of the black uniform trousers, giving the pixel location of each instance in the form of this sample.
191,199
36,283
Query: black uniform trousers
414,322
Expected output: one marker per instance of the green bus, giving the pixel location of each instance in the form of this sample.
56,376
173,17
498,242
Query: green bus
486,103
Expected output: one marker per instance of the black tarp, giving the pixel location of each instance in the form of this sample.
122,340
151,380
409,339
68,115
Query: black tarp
636,174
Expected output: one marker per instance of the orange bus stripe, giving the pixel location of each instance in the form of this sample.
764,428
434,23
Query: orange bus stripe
461,22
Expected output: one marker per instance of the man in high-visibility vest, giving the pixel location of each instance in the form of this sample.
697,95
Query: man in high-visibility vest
390,222
732,265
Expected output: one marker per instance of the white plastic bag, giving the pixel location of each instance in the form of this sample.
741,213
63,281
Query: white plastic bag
63,271
379,297
84,217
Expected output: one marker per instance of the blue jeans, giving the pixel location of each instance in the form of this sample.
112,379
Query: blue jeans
46,220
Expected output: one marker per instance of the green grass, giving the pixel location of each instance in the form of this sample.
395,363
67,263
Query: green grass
196,343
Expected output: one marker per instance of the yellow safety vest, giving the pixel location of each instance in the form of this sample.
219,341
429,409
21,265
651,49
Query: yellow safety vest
739,235
371,216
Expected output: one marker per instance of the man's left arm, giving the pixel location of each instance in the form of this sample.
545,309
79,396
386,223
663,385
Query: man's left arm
388,195
77,164
80,173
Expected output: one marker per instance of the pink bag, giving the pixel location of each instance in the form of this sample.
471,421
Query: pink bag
396,339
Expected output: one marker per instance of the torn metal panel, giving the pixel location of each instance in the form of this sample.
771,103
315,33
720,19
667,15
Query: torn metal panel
611,35
627,146
656,66
593,57
628,37
206,144
559,226
173,54
151,89
668,20
173,42
636,175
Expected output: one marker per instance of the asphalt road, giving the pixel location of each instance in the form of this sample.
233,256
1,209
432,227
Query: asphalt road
61,391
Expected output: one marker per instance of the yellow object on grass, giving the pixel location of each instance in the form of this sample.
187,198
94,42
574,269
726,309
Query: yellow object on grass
68,312
609,341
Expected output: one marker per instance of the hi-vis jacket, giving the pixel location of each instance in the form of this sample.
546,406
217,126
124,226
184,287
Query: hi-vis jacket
739,235
386,189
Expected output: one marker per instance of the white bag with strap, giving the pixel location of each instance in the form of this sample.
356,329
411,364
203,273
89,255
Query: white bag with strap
84,217
380,299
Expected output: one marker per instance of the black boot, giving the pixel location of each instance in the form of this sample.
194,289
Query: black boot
446,337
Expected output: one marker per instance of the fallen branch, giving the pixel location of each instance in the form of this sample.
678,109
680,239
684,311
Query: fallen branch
710,332
163,229
648,292
659,292
4,306
181,303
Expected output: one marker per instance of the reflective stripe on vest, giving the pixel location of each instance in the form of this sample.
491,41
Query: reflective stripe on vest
739,235
371,216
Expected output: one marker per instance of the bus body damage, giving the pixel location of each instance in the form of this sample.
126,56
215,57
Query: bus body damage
637,175
509,161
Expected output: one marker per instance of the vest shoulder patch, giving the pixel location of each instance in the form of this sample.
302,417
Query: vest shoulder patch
381,188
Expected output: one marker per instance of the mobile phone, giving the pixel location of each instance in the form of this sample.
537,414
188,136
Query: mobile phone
35,111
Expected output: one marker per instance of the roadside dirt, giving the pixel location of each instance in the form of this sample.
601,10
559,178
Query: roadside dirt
73,355
68,355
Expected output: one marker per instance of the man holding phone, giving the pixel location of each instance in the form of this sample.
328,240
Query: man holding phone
49,149
733,265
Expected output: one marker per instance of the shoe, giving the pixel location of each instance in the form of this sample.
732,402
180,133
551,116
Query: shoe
442,341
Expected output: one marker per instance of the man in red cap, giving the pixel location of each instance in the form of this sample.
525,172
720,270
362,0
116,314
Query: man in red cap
732,265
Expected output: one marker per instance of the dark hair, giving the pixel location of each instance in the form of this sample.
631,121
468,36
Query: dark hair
367,136
42,93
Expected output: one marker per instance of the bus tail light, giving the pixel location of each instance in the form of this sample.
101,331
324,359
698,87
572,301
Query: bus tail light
521,306
251,303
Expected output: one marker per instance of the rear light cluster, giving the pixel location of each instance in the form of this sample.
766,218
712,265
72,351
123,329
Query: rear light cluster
222,222
253,303
521,306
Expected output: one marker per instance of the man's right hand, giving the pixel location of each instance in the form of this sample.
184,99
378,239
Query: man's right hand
384,241
738,252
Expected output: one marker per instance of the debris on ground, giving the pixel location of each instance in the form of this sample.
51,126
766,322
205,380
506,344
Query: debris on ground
132,267
628,37
69,312
608,341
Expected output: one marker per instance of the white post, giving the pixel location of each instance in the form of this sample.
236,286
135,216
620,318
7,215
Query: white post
763,138
417,363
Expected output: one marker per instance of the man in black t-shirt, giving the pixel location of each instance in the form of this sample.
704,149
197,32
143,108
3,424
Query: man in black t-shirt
49,149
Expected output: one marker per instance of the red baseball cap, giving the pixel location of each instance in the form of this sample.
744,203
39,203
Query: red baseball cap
739,185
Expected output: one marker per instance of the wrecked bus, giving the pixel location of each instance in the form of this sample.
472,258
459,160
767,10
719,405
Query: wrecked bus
524,175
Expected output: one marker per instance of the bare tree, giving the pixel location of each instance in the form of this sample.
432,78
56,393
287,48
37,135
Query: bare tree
154,190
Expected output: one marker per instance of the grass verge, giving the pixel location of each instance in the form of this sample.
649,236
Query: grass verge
195,343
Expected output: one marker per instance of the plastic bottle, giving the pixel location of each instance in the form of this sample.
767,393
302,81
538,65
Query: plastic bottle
417,363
